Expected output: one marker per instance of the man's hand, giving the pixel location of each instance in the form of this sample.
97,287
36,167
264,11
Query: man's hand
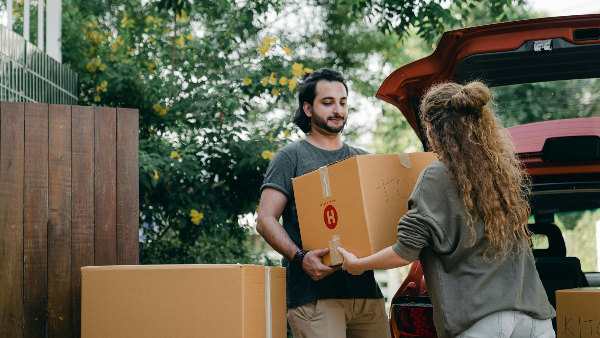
351,263
314,267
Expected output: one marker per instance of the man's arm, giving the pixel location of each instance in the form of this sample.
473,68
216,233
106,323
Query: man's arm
270,208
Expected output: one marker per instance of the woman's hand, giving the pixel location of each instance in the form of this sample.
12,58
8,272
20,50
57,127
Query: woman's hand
351,262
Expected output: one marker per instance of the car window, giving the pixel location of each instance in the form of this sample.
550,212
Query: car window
545,101
581,231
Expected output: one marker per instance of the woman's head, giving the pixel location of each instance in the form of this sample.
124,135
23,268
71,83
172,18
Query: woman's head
464,131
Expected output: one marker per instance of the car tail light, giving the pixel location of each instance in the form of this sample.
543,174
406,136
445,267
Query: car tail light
412,317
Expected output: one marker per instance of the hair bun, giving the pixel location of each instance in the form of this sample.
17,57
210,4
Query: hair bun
471,98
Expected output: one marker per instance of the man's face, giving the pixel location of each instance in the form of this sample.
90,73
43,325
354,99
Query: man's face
328,113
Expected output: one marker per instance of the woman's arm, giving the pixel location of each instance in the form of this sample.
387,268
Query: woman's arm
382,260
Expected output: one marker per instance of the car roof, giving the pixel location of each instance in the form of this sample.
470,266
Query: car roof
490,52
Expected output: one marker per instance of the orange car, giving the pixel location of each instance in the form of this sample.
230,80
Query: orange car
544,72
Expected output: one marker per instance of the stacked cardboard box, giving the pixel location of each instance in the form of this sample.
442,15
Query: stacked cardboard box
356,203
578,313
183,301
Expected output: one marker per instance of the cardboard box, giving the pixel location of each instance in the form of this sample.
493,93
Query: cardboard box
183,301
357,201
578,313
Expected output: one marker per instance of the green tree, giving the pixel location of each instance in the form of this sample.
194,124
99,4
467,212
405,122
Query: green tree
203,145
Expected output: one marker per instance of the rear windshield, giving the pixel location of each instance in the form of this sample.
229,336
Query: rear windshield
545,101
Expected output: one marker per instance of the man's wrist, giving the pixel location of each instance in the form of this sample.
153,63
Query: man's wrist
299,257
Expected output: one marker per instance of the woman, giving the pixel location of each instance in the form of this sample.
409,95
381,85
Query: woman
467,224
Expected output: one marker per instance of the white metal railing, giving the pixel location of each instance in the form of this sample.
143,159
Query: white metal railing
27,74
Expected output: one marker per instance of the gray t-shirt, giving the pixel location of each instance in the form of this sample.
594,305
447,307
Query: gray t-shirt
291,161
463,286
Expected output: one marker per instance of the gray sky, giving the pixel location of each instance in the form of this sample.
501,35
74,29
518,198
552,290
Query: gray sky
562,7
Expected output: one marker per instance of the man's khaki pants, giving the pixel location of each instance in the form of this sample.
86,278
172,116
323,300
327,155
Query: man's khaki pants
340,318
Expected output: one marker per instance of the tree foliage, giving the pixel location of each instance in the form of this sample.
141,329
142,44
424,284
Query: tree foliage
195,75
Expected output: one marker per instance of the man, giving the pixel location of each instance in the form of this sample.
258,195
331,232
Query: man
322,301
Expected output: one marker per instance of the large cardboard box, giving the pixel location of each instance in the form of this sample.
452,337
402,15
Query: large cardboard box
578,313
183,301
356,203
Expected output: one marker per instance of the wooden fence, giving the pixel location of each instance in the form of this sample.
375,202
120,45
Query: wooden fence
68,198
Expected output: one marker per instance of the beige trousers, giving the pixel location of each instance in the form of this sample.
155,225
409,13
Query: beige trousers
340,318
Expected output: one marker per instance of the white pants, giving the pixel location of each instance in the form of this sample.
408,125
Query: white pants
510,324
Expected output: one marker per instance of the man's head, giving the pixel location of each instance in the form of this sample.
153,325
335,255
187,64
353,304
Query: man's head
322,100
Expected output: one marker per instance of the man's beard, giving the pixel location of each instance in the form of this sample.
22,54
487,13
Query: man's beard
321,123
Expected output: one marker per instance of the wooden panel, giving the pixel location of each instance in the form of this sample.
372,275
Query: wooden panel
11,219
105,194
82,227
59,221
127,186
35,261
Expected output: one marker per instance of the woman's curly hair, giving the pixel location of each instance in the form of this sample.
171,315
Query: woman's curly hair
469,140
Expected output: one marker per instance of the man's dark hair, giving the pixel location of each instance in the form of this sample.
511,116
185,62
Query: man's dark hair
308,92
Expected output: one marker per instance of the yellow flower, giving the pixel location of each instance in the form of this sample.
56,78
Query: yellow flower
150,129
150,18
297,69
263,49
181,41
102,67
91,66
183,17
103,86
268,40
196,216
264,81
272,79
275,91
160,110
308,70
98,88
292,83
267,154
189,36
271,137
150,39
97,98
247,81
287,50
286,133
175,154
283,80
125,21
155,174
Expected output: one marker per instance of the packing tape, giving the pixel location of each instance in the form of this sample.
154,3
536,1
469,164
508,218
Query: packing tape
268,321
325,185
336,257
405,160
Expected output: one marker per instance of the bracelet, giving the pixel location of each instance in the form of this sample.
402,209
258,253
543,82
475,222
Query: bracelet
299,257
